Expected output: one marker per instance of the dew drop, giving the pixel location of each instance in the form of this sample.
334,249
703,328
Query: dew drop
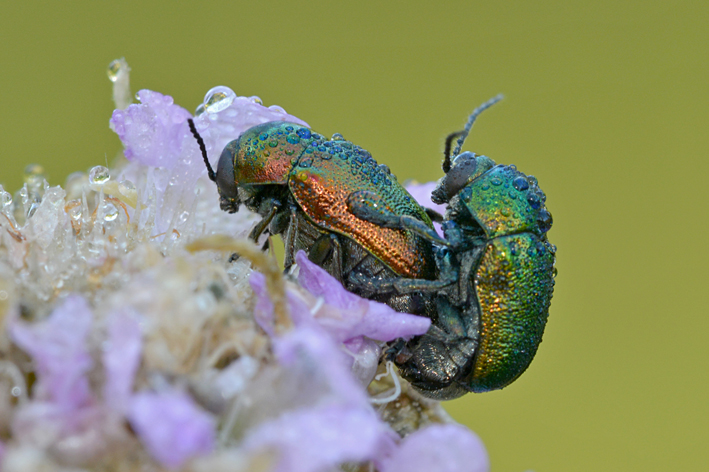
520,183
495,181
183,216
33,209
75,210
5,198
255,99
486,186
33,170
126,187
277,109
337,137
114,68
15,391
505,211
218,98
199,110
111,212
99,175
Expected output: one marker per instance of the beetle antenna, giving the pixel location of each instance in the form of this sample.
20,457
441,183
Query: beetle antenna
447,153
471,120
202,147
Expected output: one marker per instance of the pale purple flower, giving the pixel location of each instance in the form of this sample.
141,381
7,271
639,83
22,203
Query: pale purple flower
358,317
320,439
443,448
57,345
313,348
172,427
422,194
346,317
121,357
153,130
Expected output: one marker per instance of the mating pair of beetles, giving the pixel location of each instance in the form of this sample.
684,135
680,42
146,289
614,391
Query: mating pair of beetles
486,285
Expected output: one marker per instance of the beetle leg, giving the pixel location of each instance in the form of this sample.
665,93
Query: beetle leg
263,224
434,215
368,206
327,247
291,238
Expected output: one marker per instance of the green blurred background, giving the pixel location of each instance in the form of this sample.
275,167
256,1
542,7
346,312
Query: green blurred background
606,103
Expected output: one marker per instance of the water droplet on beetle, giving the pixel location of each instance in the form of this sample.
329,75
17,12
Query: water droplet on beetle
495,181
218,98
520,183
99,175
337,137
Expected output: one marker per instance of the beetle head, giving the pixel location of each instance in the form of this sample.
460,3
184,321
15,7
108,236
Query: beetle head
466,167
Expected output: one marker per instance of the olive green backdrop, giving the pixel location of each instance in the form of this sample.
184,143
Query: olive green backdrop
606,103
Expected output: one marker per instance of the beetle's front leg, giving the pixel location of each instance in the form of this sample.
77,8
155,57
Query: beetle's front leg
369,206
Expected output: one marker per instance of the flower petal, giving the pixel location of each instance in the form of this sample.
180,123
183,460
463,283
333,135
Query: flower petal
58,347
152,131
443,448
121,357
320,439
172,427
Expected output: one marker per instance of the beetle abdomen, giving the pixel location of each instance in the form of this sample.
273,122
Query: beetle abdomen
514,284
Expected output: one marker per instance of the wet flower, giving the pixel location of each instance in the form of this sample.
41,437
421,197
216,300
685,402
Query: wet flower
123,347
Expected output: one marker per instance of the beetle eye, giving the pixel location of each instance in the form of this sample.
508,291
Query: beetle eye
226,182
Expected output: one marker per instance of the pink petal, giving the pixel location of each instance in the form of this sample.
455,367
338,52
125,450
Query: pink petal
153,131
320,439
172,427
443,448
121,357
58,347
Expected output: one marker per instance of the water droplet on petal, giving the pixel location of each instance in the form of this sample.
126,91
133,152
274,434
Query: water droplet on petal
276,108
126,187
255,99
199,110
74,209
16,391
99,175
183,216
218,99
5,198
33,208
111,212
32,170
114,68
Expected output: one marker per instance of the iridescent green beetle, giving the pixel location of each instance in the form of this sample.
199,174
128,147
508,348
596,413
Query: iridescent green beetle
496,278
300,183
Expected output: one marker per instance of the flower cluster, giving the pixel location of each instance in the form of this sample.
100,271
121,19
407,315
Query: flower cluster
128,341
